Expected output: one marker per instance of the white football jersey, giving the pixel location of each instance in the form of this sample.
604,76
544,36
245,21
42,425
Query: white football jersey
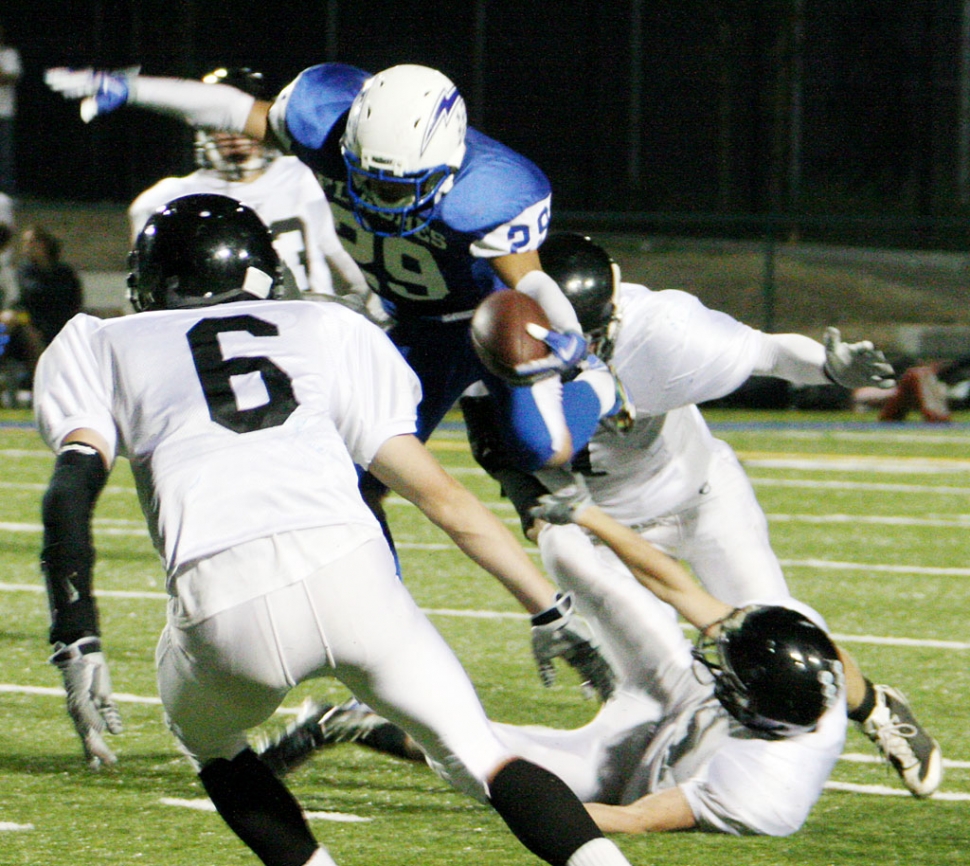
241,420
287,198
671,352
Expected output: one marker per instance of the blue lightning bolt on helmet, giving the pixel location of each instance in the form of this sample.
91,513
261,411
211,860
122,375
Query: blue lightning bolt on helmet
403,145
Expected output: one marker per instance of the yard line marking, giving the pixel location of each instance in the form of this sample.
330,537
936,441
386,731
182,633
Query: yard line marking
204,804
953,521
496,614
871,436
862,566
891,465
901,641
857,485
886,791
98,526
44,691
10,827
858,758
28,485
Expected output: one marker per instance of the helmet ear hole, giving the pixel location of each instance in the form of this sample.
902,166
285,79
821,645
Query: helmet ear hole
200,250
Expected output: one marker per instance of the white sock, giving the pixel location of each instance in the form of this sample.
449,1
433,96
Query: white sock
598,852
323,858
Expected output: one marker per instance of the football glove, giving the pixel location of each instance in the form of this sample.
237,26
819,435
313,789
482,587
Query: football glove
100,91
568,350
89,700
855,365
565,504
559,633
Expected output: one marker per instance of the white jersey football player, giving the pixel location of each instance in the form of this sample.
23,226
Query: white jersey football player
669,478
746,750
210,391
281,189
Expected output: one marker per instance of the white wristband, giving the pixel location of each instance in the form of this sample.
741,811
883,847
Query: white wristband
543,289
210,106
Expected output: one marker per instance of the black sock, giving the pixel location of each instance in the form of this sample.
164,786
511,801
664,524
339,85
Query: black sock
861,713
543,813
259,809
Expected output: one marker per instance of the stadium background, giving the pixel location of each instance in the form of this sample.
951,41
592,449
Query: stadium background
779,124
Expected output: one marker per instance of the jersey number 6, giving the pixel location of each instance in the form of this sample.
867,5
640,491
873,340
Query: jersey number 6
216,372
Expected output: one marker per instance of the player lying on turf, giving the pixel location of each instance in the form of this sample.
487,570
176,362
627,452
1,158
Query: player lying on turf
737,735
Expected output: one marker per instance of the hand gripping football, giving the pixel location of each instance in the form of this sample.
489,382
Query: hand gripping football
499,333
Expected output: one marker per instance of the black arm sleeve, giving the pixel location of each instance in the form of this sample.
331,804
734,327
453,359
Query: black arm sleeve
67,557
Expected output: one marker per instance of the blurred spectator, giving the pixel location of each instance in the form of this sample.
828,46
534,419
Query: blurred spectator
7,229
49,295
50,291
9,74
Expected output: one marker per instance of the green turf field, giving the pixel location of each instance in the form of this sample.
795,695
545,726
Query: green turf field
871,522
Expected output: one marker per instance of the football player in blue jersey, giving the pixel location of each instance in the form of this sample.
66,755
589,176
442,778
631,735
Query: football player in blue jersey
435,214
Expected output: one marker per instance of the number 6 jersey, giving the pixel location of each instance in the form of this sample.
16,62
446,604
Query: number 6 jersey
190,396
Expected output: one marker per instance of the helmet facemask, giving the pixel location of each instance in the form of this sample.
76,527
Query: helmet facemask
234,157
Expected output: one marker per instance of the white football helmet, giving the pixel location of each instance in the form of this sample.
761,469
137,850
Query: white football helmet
232,155
403,144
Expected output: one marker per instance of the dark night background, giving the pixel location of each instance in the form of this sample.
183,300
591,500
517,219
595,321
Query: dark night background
837,115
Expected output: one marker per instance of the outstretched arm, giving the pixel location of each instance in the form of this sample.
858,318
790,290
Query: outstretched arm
663,576
208,106
802,360
408,468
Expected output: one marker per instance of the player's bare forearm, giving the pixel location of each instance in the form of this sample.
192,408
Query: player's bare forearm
663,576
408,468
662,812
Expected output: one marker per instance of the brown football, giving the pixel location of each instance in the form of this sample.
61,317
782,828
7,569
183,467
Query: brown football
499,335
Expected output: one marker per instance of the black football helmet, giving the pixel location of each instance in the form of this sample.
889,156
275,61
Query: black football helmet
200,250
590,279
774,670
232,155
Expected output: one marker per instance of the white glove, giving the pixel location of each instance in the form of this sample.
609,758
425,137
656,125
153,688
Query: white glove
559,633
100,91
856,365
565,505
89,700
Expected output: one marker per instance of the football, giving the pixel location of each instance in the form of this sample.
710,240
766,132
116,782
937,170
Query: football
499,335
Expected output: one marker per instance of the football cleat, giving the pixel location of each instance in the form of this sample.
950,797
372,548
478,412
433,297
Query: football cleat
316,726
292,748
901,739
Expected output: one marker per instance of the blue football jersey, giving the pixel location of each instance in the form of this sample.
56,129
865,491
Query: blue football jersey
499,204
